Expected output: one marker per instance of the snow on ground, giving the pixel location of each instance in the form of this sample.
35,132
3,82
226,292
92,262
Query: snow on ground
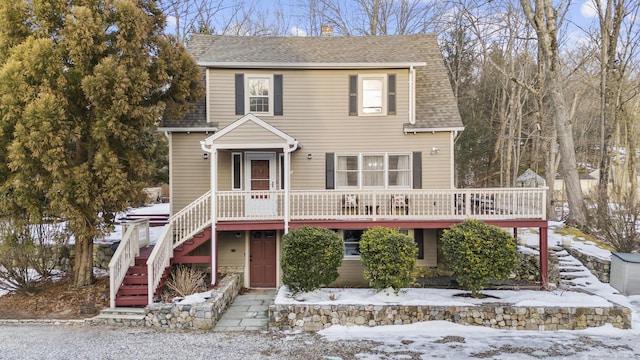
438,297
445,340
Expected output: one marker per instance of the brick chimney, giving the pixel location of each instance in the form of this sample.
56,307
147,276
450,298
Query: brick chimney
326,30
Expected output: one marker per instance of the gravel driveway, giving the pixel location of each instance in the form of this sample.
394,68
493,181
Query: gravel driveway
50,341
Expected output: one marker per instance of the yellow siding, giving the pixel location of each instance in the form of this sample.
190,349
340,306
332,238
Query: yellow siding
430,238
231,251
189,172
351,274
316,113
250,133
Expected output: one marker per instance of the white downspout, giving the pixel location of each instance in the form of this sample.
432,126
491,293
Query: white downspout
287,183
412,92
214,186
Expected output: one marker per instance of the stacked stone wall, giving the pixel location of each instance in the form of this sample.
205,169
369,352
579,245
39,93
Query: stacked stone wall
497,316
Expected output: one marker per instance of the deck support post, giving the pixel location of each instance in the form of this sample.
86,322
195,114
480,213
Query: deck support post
544,258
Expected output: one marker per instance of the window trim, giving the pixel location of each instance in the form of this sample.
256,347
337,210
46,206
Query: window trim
360,157
383,95
233,172
247,95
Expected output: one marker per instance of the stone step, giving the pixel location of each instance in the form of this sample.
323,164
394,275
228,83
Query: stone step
122,313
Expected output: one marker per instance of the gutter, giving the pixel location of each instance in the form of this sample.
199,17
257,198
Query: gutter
309,65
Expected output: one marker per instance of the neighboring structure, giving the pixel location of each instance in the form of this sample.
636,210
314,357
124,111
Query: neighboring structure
529,178
341,132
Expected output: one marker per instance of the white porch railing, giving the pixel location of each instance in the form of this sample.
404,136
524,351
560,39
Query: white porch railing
419,204
187,222
135,235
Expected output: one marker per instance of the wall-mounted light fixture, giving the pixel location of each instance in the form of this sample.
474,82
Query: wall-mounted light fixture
238,235
205,156
435,151
309,156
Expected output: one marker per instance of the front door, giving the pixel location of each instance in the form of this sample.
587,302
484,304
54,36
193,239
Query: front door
262,259
260,173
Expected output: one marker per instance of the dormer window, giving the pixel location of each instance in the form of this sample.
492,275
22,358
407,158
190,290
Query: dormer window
259,94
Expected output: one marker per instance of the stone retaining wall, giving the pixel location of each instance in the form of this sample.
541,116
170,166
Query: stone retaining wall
497,316
102,254
529,269
600,268
200,316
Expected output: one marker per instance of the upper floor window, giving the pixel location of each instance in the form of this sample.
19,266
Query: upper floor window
372,88
259,94
373,170
372,94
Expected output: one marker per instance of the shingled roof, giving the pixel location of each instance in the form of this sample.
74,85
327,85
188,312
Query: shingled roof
436,107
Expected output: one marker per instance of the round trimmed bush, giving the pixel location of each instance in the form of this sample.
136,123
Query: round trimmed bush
478,252
389,258
310,258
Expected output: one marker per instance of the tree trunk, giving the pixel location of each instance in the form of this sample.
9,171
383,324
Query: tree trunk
568,165
83,266
543,16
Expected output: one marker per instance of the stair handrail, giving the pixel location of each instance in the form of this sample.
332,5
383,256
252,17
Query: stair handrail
125,256
159,259
183,225
191,219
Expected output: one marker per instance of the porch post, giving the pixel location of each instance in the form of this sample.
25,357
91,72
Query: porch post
287,182
544,257
214,215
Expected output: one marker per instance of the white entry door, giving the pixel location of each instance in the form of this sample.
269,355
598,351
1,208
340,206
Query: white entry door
260,173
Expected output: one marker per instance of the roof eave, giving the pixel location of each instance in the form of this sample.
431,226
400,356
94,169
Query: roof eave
295,65
432,130
188,129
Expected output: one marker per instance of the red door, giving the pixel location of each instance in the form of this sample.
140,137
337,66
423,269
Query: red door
260,175
262,259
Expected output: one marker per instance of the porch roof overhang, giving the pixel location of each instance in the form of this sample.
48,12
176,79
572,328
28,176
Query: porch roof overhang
250,132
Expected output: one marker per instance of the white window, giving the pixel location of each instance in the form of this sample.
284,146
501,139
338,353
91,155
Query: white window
373,94
259,94
383,170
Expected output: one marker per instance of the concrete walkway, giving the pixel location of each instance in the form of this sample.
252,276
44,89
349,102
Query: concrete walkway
249,311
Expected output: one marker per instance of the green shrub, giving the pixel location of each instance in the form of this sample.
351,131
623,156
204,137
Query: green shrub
389,258
310,258
477,253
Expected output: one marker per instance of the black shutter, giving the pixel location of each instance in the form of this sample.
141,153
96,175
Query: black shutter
277,94
391,94
330,170
239,94
417,170
418,236
353,95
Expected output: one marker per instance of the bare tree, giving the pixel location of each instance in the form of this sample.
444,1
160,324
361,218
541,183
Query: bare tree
545,18
614,57
374,17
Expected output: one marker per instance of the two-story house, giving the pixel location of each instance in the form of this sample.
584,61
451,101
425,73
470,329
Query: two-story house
345,133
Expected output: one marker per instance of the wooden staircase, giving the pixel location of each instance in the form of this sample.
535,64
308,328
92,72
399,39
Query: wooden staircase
134,289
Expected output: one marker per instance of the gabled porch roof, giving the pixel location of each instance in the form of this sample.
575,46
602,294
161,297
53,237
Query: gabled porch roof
250,132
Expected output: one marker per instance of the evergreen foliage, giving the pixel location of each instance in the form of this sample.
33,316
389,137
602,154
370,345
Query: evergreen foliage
478,252
389,258
310,258
82,83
